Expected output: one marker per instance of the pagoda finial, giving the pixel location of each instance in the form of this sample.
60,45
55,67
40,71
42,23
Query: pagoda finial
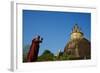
76,28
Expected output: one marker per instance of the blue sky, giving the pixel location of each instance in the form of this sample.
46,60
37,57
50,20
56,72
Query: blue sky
54,27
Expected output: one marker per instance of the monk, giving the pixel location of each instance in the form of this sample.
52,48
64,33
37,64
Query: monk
34,49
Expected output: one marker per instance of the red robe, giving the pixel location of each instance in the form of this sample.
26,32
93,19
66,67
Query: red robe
33,52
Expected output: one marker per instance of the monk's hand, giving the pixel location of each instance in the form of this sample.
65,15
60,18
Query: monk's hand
41,39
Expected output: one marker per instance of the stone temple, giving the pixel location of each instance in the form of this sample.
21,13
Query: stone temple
78,47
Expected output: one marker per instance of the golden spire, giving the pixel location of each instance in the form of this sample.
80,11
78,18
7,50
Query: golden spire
76,32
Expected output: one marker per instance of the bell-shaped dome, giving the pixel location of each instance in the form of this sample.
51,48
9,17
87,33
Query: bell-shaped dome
78,48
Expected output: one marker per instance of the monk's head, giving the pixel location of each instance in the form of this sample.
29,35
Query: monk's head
39,38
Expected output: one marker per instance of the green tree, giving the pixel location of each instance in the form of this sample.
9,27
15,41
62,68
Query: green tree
46,56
